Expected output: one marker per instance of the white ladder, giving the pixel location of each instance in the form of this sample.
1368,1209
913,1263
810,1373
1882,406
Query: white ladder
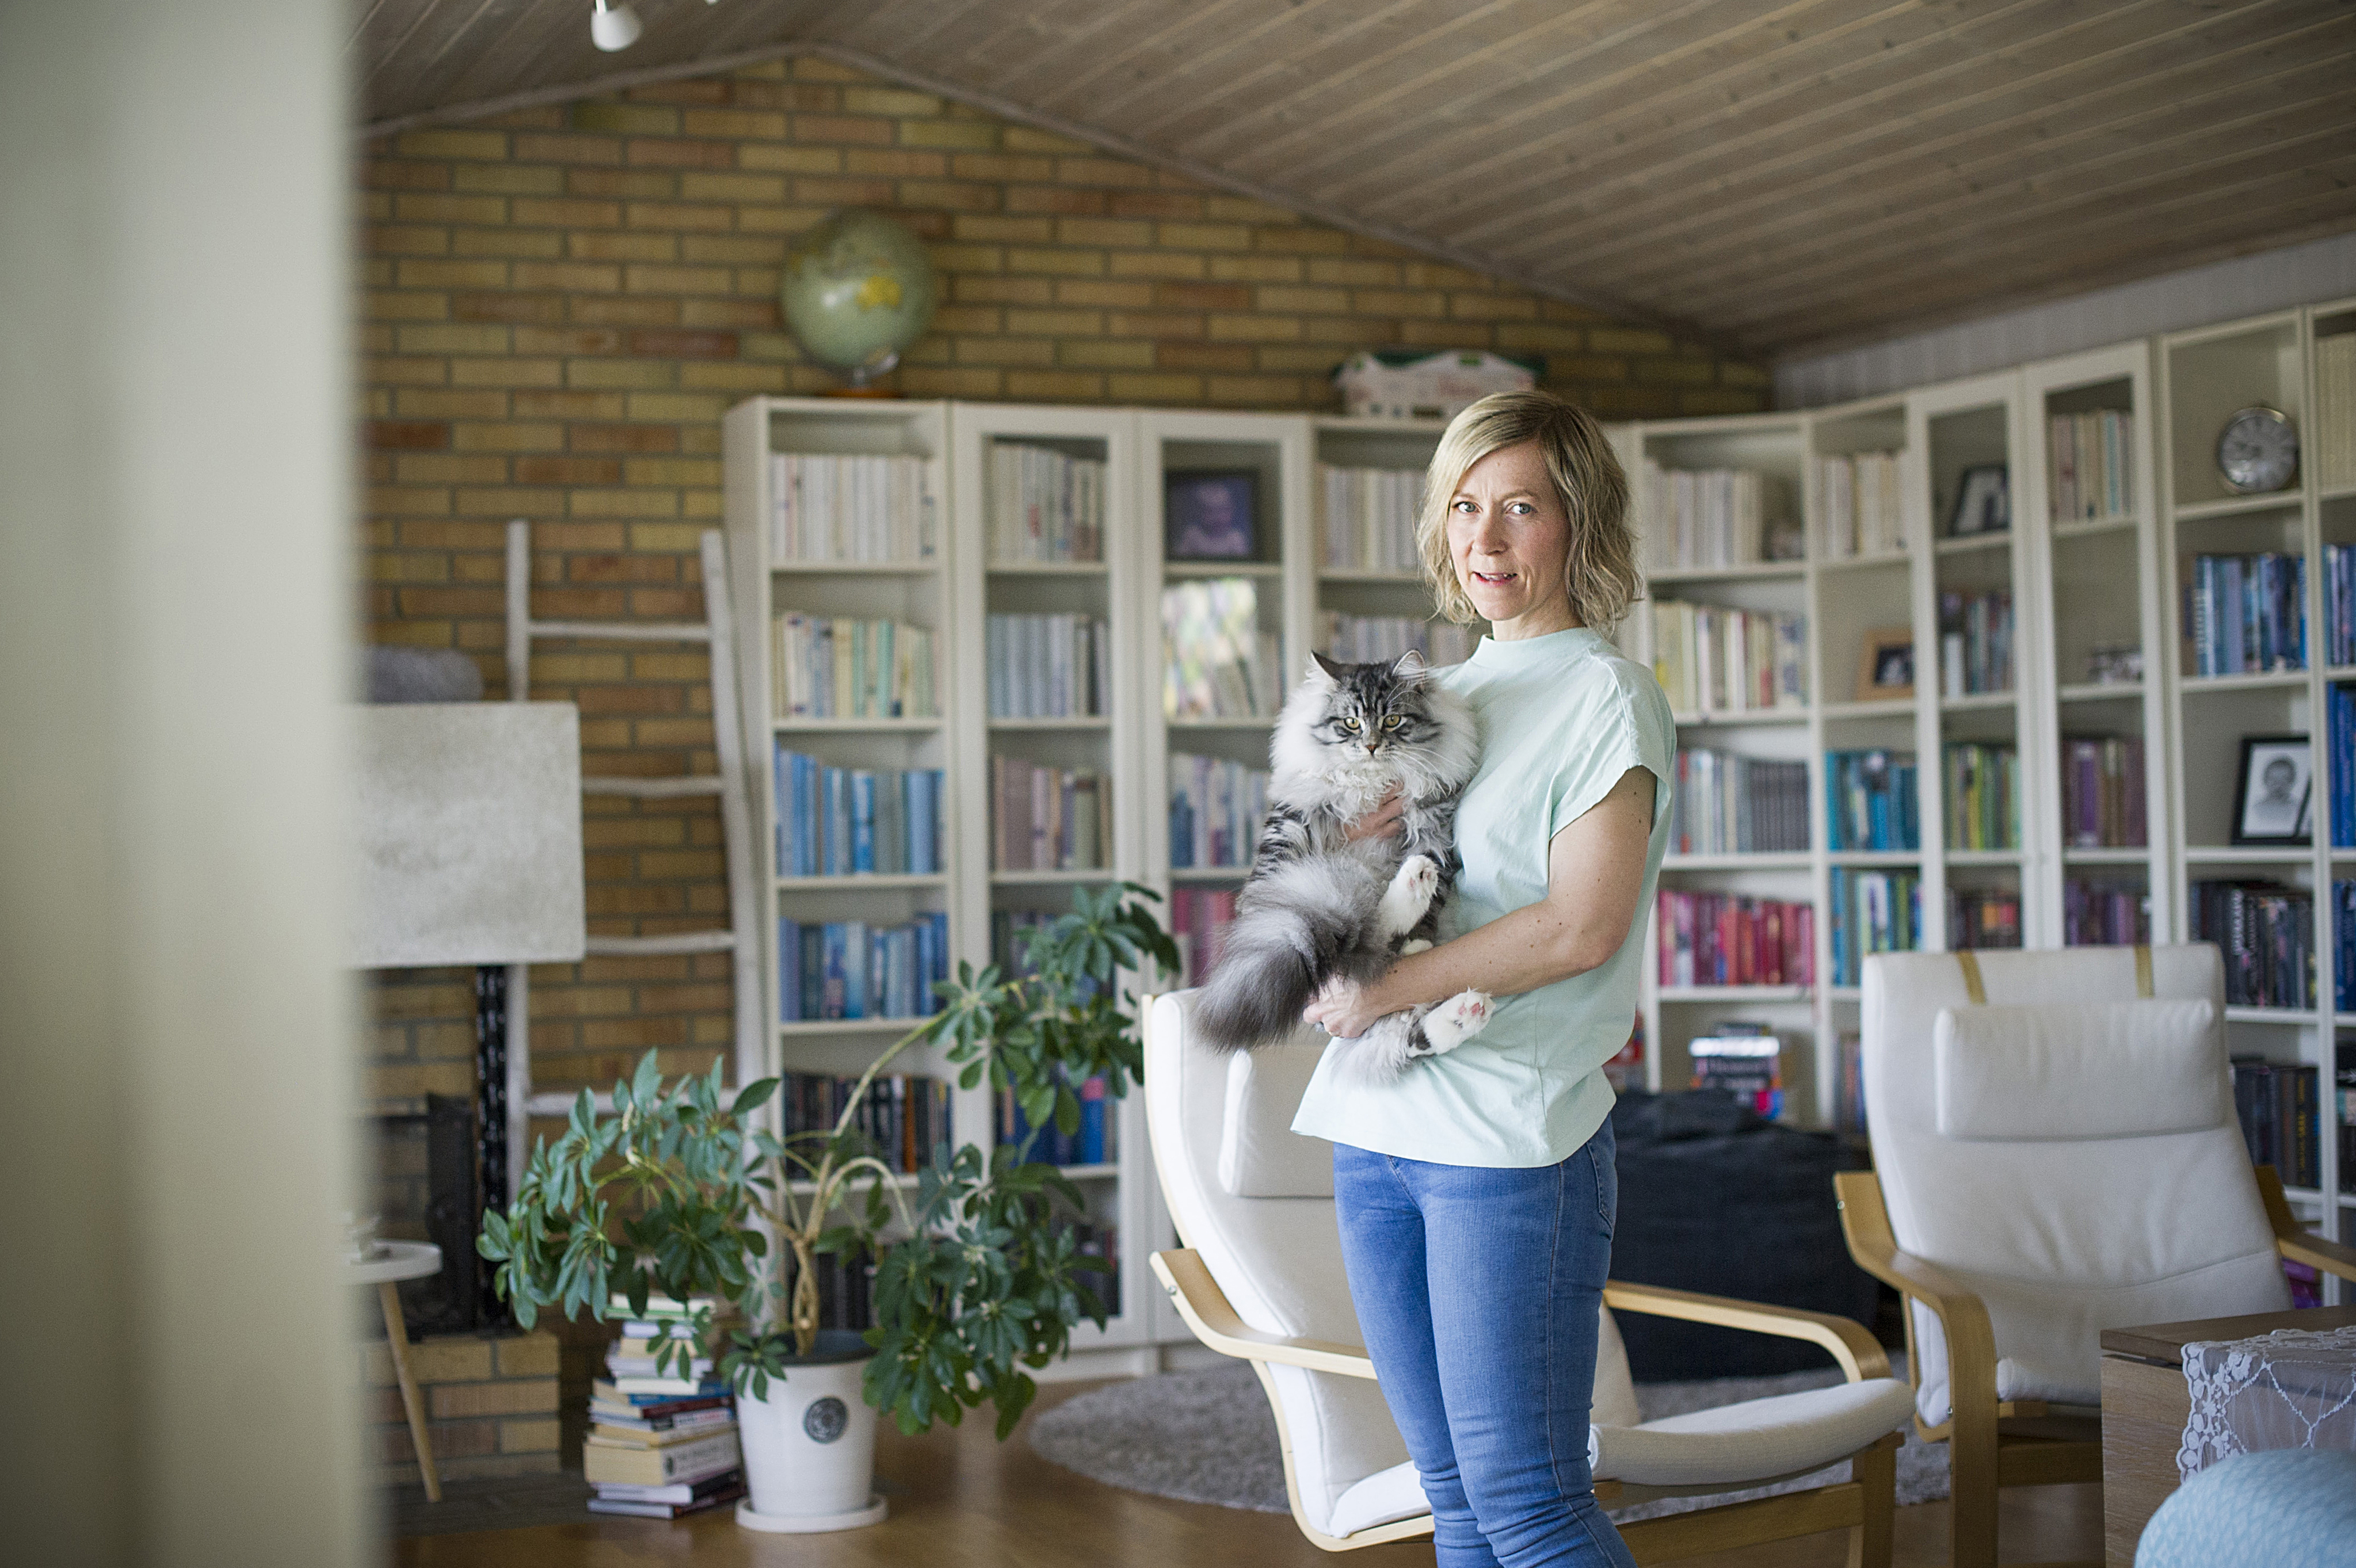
741,939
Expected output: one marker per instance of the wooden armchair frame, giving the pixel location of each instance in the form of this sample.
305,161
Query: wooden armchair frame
1864,1504
1995,1444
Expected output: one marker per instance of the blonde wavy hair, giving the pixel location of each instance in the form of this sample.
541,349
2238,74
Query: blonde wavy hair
1599,569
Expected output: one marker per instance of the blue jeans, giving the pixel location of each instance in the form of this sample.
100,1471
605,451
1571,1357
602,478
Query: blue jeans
1477,1290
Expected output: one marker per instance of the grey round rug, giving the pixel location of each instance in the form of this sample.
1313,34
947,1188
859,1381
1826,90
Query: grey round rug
1209,1438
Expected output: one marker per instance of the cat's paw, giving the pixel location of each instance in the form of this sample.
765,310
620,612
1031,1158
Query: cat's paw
1414,945
1409,894
1456,1021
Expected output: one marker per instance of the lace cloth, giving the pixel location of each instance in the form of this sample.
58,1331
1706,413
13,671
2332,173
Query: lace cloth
2295,1388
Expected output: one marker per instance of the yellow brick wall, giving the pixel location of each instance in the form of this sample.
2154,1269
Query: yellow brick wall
490,1406
558,305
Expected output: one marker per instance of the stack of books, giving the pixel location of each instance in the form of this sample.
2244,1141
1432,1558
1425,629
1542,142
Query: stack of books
1366,516
2340,730
660,1444
2340,604
1744,1058
1729,804
2344,936
843,822
2100,913
1982,795
1712,659
2266,933
2245,615
1199,918
1714,517
1873,911
851,969
1216,806
905,1115
846,1290
1095,1141
2281,1118
1371,639
1974,643
1871,797
2089,461
1048,667
1982,917
1045,819
1218,662
2103,792
1044,506
2335,414
1724,939
1860,496
835,507
842,669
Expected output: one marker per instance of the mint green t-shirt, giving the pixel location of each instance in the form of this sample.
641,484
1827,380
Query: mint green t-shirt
1562,718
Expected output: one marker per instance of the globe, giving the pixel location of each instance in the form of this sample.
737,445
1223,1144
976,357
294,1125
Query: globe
857,291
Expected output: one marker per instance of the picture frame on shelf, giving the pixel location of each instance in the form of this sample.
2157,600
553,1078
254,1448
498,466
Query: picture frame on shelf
1211,516
1983,501
2273,795
1885,667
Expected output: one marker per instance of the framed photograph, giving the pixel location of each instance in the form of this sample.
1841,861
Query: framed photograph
1212,516
1983,501
2271,797
1886,669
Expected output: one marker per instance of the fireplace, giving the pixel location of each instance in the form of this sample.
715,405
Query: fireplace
428,1189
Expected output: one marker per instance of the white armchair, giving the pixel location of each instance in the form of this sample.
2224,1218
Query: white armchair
1261,1278
2055,1153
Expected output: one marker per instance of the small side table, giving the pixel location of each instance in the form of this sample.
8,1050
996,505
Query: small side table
2146,1404
403,1260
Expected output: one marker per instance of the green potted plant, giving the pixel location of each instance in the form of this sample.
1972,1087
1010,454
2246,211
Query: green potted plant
684,1194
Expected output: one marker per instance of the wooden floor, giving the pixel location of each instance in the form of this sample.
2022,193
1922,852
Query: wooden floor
961,1500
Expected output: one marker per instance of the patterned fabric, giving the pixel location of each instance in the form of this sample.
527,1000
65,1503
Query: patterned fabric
2291,1508
2295,1388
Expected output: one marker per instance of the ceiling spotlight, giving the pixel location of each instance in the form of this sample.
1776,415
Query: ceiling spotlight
614,27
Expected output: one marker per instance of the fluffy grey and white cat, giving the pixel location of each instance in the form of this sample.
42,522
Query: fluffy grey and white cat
1318,905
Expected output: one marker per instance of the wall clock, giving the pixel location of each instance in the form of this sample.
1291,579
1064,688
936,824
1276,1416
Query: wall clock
2258,451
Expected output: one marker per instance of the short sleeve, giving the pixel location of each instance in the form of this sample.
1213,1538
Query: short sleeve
1635,731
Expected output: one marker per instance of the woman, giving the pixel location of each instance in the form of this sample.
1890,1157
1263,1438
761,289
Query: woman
1476,1194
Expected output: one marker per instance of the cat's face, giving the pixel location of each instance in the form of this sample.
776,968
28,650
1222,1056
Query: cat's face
1368,709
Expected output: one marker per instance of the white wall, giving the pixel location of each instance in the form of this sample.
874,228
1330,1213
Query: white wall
176,1040
2246,285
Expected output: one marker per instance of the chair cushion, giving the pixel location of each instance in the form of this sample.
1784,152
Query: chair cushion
1386,1494
1754,1440
2120,1069
1260,1154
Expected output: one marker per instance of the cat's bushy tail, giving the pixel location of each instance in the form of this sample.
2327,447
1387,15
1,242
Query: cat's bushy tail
1301,925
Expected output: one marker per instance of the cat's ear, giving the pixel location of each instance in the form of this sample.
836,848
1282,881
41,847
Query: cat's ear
1319,665
1410,665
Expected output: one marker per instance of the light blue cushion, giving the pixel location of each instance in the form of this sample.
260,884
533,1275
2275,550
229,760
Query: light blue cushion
2290,1508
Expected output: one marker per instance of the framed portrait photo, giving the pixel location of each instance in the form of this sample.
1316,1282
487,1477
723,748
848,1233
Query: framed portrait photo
1885,668
1212,516
1983,501
2272,797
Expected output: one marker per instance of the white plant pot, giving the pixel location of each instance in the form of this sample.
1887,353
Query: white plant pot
809,1445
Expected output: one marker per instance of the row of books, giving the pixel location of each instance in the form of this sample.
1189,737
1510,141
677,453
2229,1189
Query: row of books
2090,461
1725,803
2340,730
851,969
1044,505
1743,1057
1860,496
1714,517
1709,658
2103,792
842,668
1366,516
1095,1141
1848,1100
2100,913
2267,934
2280,1108
1199,918
1216,806
2343,940
2343,1072
2340,603
837,508
1218,661
2335,415
1974,643
662,1441
1871,800
1724,939
1368,639
1048,667
1872,911
2246,613
1982,795
1047,818
1982,917
844,822
846,1290
904,1116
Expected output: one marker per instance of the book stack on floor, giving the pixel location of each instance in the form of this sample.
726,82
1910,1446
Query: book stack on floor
1859,495
2276,1103
660,1444
1743,1057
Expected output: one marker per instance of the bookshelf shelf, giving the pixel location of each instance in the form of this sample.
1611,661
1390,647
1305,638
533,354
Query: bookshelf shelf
2263,680
2106,856
1048,569
855,568
1698,994
2089,527
1017,726
1209,873
859,882
2236,505
2102,691
1865,562
818,1028
1053,878
1754,571
1089,1172
1878,708
857,725
2244,855
1978,701
1967,543
1983,856
1873,858
1369,574
2270,1015
1183,569
1211,724
1739,863
1736,717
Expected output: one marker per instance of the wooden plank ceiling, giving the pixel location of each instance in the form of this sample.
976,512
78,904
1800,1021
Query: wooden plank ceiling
1782,176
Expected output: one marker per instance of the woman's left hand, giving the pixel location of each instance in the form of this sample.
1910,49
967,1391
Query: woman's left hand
1344,1009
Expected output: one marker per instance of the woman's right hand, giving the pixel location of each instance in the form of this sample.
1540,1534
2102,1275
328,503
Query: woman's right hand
1387,819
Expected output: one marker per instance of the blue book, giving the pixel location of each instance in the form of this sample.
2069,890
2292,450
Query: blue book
940,971
789,971
1090,1139
862,820
2229,593
837,982
838,823
812,959
781,784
